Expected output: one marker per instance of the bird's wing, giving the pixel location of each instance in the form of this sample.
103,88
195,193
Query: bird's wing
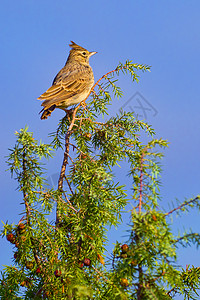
66,84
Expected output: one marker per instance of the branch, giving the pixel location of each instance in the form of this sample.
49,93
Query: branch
69,185
172,290
66,154
141,183
28,210
70,204
140,284
101,89
23,188
194,235
39,291
104,76
181,206
156,278
117,69
95,269
95,93
74,146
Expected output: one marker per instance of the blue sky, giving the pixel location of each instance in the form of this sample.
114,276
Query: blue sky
164,34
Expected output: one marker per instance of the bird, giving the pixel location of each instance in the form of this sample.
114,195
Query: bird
72,84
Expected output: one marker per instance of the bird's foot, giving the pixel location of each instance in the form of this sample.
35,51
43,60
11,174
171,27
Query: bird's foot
83,104
69,113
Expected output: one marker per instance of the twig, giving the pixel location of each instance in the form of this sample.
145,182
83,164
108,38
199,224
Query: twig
74,146
168,293
104,76
28,210
186,236
109,81
101,88
71,159
70,204
100,273
65,161
156,278
69,185
24,192
95,94
66,154
141,183
181,206
39,291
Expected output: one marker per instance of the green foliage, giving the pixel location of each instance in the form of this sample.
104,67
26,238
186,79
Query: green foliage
66,258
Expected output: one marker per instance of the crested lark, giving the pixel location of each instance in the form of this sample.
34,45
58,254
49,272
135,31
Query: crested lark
72,84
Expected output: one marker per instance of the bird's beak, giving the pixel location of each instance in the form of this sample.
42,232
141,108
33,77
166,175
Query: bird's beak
92,53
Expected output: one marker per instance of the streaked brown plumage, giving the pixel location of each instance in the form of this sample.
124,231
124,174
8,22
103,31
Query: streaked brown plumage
72,84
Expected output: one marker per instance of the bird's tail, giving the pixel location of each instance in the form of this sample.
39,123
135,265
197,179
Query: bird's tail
47,112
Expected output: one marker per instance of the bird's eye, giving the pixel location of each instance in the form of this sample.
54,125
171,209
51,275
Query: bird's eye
84,53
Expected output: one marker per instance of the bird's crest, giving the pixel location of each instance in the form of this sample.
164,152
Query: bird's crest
76,47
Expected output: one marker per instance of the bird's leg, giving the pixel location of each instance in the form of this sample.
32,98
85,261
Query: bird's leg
83,104
69,112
